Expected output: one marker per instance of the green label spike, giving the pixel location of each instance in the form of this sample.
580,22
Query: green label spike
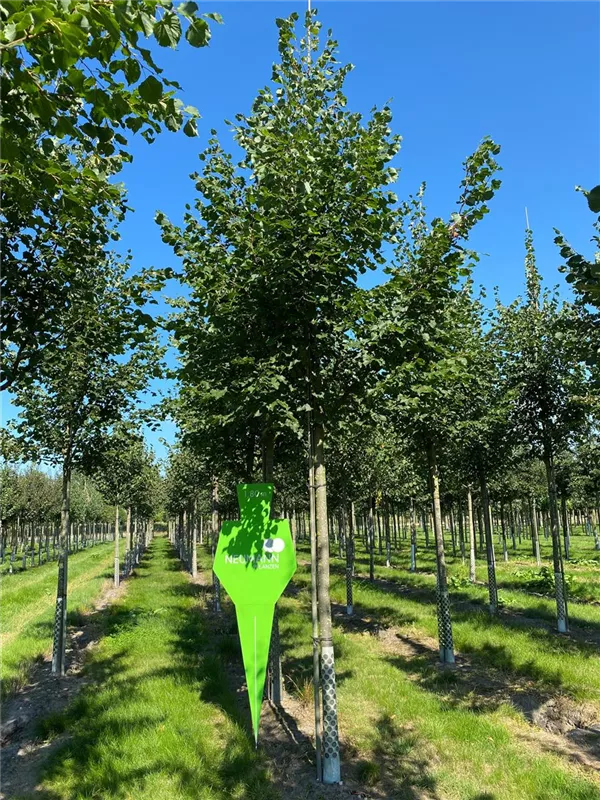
254,561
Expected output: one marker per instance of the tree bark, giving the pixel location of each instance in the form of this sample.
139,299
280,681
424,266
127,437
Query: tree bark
443,600
331,750
471,524
535,534
349,562
274,677
117,568
214,535
60,618
489,544
562,617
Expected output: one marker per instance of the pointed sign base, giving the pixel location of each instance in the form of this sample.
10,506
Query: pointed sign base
254,625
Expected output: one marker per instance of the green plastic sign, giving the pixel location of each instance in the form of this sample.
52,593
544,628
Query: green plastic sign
254,561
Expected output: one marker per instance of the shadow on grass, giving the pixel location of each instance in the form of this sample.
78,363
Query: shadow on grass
400,764
110,714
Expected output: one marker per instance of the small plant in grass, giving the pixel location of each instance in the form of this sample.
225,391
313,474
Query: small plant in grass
369,773
460,582
303,691
541,580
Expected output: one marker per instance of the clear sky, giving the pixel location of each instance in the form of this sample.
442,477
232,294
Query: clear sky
525,73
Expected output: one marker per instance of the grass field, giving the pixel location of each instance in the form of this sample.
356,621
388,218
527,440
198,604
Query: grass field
153,724
28,602
161,719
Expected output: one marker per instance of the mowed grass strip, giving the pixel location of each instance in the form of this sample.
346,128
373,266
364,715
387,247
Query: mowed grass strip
410,741
157,720
28,604
513,644
405,728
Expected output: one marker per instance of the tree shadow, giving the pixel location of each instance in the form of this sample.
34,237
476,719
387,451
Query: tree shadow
97,720
400,765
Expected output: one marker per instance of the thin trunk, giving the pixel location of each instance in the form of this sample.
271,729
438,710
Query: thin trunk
349,561
214,535
195,541
274,677
117,568
471,525
443,600
562,618
413,537
565,526
331,750
314,601
371,536
60,618
489,544
535,534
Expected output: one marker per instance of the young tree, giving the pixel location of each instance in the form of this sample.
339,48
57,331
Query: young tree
544,370
314,215
89,379
415,331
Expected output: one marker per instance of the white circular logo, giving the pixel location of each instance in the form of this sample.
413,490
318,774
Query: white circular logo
273,545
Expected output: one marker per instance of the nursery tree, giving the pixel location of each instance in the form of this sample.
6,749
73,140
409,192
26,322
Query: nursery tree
314,214
415,330
90,378
544,370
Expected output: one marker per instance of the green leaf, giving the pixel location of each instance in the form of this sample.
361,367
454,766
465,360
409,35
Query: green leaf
190,128
151,89
187,9
132,70
167,30
198,33
593,199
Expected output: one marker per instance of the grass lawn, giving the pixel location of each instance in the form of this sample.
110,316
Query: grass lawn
154,723
28,602
159,718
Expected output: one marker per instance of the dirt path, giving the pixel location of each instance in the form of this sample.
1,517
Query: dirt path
23,750
286,731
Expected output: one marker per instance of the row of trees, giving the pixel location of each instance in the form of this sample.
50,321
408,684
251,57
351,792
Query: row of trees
79,347
282,354
285,364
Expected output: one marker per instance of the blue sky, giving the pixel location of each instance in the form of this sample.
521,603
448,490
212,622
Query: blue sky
525,73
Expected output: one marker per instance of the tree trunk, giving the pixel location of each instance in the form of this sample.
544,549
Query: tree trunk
471,524
371,536
331,750
214,535
562,618
535,534
443,600
349,561
195,541
314,600
274,676
117,568
503,529
413,537
489,544
565,526
60,618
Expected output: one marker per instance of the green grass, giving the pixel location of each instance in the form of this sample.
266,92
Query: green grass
159,718
514,642
28,602
160,721
410,727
